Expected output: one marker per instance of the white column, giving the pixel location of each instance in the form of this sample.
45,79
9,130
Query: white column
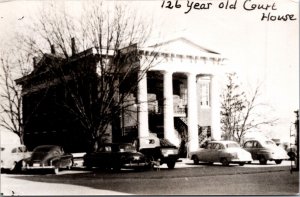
169,131
192,113
143,127
215,109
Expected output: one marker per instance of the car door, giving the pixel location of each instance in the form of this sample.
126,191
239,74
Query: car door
248,146
211,152
204,154
220,152
215,152
105,156
256,149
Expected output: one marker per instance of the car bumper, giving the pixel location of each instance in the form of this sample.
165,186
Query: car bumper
131,165
241,160
38,167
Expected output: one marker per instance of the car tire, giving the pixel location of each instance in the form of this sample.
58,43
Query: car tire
242,163
196,160
224,162
262,160
278,161
70,165
171,164
292,155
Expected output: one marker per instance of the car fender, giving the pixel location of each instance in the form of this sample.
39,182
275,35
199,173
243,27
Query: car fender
267,154
54,161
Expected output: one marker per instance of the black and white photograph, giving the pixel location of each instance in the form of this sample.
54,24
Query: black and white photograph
155,97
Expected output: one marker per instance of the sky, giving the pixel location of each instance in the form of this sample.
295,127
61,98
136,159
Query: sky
260,51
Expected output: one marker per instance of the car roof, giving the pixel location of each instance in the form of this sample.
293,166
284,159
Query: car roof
222,141
49,147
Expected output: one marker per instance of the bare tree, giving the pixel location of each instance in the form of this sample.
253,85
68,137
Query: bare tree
97,89
11,66
239,111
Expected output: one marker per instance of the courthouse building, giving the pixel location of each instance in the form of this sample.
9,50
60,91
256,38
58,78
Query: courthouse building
177,98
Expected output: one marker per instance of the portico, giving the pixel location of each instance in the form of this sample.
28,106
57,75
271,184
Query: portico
194,63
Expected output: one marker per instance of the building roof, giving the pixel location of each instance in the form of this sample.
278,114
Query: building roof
182,46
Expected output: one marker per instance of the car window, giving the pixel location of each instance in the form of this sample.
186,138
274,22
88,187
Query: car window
14,150
232,145
248,144
256,144
56,153
221,146
218,146
127,148
22,149
107,149
212,146
208,146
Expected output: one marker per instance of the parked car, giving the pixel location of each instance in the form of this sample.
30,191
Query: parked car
159,151
12,156
225,152
115,156
265,150
51,157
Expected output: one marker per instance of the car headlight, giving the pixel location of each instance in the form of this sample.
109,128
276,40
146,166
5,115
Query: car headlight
136,158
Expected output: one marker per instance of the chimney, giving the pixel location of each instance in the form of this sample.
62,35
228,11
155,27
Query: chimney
52,49
73,45
34,62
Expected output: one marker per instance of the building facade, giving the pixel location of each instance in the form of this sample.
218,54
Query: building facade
177,98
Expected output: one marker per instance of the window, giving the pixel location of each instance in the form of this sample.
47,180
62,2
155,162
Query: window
255,144
248,144
14,150
204,93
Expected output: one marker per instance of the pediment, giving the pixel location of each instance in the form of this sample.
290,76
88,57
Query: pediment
182,46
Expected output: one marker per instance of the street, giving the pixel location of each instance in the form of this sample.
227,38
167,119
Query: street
185,179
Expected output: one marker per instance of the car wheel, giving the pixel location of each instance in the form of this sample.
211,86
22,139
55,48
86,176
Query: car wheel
224,162
262,160
242,163
292,155
278,161
171,164
196,160
151,162
70,164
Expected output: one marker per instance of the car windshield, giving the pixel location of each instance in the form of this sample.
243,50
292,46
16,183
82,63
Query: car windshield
232,145
41,152
127,148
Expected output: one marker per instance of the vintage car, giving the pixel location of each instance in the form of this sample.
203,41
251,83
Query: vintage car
48,157
159,151
225,152
115,156
12,155
264,150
